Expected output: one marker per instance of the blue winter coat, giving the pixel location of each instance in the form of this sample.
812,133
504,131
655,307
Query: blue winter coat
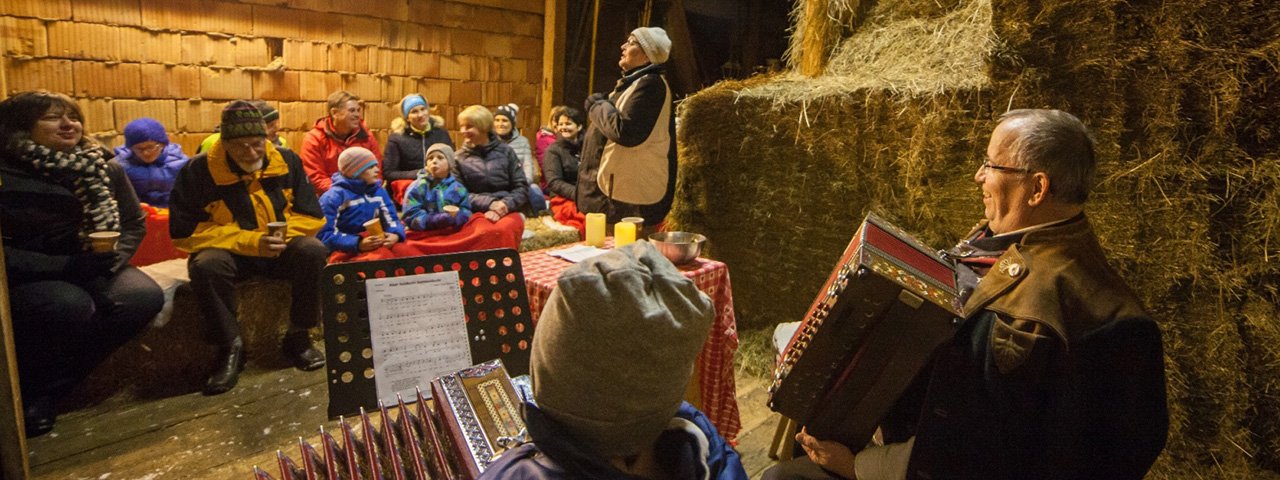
347,205
553,455
153,181
425,198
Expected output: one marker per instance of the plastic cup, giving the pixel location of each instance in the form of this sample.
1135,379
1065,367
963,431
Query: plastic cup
452,210
104,241
276,229
374,227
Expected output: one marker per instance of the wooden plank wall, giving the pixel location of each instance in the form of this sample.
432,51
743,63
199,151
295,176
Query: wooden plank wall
181,61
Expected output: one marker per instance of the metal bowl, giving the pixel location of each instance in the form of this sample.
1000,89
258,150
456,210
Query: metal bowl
679,247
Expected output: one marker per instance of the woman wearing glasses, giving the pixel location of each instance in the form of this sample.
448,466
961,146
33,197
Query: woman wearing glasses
150,160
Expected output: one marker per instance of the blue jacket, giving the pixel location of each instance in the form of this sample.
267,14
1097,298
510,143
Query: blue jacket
347,205
553,454
153,181
425,198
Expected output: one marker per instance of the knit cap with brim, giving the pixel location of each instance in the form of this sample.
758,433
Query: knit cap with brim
615,348
241,119
355,160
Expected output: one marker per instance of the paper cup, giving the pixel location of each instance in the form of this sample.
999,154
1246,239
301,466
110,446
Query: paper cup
374,227
104,241
452,210
276,229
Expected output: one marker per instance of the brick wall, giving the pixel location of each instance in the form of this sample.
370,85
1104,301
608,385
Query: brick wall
181,61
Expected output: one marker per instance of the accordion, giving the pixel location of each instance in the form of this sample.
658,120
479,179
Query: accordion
477,417
874,325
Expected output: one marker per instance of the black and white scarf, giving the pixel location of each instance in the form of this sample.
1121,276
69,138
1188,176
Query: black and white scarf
88,170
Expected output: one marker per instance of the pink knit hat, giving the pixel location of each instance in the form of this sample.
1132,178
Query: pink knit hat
355,160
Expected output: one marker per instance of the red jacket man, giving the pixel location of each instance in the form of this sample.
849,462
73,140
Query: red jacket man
341,129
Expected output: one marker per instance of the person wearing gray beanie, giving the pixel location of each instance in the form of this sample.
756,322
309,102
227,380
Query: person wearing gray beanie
612,356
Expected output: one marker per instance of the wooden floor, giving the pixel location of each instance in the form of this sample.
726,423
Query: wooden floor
193,436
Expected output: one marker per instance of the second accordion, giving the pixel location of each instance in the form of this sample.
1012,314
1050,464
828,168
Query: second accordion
874,325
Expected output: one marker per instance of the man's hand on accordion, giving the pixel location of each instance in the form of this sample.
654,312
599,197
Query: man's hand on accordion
827,454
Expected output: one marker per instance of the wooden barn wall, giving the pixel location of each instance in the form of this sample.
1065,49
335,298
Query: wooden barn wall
182,61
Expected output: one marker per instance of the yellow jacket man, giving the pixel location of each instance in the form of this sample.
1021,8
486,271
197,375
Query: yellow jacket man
245,207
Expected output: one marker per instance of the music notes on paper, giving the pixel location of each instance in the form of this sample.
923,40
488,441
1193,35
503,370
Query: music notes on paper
418,330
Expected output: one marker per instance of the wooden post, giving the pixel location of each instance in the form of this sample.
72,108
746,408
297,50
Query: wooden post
553,32
595,26
13,439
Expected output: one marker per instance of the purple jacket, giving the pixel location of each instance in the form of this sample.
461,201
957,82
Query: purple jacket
153,181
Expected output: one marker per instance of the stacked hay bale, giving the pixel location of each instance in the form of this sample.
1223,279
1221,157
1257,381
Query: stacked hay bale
1180,95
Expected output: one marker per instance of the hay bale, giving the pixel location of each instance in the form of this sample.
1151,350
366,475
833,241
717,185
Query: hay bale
176,359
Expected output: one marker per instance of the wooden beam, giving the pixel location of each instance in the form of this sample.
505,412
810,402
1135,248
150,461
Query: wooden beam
553,33
13,439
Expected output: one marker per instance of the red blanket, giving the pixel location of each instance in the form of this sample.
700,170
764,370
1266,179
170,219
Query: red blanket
566,212
478,234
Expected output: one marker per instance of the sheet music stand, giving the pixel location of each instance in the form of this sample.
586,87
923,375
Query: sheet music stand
494,299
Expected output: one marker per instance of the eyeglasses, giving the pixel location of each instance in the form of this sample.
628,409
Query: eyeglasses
148,148
987,165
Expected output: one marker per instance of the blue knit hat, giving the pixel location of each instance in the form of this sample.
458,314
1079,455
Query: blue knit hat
144,129
412,100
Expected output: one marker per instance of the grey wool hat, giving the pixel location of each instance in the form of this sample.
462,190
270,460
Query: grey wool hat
615,347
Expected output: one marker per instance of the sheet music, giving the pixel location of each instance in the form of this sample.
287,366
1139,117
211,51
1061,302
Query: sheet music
418,331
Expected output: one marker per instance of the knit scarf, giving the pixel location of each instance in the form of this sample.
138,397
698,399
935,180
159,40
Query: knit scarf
89,181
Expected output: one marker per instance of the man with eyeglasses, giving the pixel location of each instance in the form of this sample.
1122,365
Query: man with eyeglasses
1057,372
223,203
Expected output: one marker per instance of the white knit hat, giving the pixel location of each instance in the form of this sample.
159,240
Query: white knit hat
654,42
615,347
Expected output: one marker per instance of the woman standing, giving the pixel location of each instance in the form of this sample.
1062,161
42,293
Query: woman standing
71,306
413,133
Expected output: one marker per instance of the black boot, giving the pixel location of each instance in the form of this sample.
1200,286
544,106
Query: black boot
227,371
298,349
39,415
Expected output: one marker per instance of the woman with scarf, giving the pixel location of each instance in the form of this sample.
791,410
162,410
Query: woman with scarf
412,134
71,306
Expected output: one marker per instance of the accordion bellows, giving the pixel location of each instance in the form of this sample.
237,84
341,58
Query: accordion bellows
874,325
477,417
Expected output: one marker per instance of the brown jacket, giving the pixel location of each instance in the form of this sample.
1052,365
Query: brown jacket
1057,373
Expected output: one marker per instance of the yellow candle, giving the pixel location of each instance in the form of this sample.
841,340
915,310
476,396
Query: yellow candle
624,233
595,229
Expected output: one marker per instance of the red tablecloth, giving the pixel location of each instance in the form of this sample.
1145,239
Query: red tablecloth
718,394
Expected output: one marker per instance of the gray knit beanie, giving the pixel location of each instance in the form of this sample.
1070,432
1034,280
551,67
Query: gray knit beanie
615,346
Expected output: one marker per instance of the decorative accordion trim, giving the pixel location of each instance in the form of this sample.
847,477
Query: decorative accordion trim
477,443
